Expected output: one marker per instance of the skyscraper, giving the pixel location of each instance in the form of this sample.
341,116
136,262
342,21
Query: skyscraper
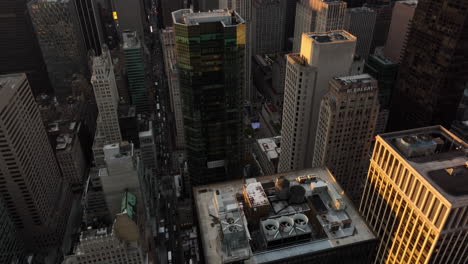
107,100
434,70
210,60
416,197
268,25
383,10
385,71
317,16
348,114
360,22
58,30
107,97
11,246
135,67
91,26
35,194
402,15
21,52
322,57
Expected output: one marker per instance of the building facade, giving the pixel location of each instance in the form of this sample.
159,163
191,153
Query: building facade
57,27
107,97
385,71
402,14
172,75
90,20
104,245
11,247
348,114
415,197
36,195
360,22
433,74
267,151
268,25
322,57
18,38
135,66
317,16
211,85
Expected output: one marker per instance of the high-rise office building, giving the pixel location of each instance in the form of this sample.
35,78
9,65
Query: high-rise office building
268,25
120,175
21,52
434,71
322,57
129,15
172,76
383,10
296,217
107,101
57,27
360,22
348,114
416,197
135,66
317,16
109,245
35,194
11,247
107,97
385,72
402,15
211,85
91,26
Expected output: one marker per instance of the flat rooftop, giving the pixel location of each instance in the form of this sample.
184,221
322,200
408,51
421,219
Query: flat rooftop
283,215
269,146
437,155
130,40
362,78
225,16
11,80
331,36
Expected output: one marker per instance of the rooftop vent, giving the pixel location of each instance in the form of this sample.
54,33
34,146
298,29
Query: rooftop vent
270,226
285,224
416,145
297,194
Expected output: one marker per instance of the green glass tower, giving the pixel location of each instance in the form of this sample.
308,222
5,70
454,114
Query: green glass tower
210,58
135,67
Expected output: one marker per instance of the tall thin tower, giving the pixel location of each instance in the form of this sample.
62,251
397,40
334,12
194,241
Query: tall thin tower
416,197
210,60
35,193
322,57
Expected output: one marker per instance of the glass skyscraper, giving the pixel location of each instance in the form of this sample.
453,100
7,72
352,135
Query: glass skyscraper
210,58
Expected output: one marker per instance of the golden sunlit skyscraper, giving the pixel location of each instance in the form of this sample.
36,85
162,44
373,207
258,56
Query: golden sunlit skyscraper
416,197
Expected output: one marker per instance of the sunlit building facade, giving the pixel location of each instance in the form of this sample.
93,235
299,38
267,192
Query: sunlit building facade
416,197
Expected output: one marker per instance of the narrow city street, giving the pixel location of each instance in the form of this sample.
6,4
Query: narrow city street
166,220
